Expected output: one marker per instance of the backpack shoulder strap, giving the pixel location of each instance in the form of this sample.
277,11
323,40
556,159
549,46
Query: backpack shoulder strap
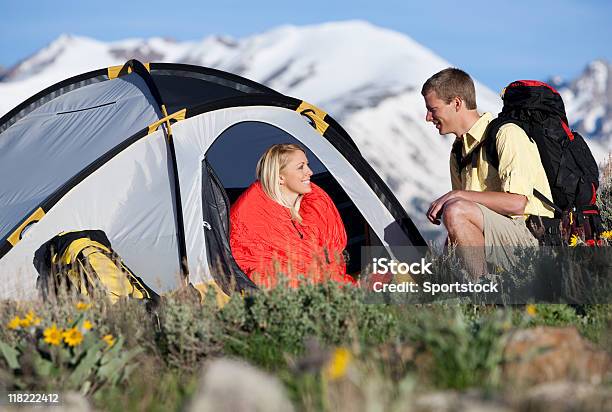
493,155
490,139
456,152
546,201
487,143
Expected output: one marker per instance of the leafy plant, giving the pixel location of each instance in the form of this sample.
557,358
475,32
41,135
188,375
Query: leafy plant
189,332
72,356
464,353
604,198
270,323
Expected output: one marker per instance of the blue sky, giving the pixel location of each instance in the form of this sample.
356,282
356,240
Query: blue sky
495,41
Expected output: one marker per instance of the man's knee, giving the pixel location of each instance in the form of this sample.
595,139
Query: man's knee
459,212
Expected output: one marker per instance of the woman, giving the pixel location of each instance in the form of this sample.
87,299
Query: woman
284,224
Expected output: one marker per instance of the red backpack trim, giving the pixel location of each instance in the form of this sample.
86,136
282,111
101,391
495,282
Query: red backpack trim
594,198
531,83
568,132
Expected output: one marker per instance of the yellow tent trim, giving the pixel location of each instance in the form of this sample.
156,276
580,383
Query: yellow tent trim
315,114
113,72
221,297
14,238
178,116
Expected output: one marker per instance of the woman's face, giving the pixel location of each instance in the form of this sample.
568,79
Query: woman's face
295,176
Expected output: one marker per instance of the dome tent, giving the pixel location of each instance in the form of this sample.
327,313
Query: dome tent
154,155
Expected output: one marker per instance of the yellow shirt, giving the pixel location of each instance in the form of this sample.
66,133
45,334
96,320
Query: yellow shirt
520,168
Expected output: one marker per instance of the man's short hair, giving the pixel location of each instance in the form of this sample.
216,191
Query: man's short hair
449,83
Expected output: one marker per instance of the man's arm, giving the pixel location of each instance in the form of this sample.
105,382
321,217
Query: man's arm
501,202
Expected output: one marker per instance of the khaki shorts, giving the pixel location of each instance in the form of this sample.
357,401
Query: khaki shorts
503,237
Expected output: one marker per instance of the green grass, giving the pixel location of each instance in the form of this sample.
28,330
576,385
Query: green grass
461,344
396,350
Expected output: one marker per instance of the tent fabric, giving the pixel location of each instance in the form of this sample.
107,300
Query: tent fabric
82,154
194,136
254,138
343,143
50,93
180,85
186,85
265,241
130,199
216,207
59,139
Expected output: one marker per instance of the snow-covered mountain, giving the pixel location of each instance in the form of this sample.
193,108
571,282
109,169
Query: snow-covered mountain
368,78
588,101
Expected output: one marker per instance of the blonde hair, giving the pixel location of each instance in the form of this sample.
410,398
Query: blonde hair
269,167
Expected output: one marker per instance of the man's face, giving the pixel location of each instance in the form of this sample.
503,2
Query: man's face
443,115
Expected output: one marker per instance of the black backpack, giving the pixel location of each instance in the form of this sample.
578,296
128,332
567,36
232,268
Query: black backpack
570,167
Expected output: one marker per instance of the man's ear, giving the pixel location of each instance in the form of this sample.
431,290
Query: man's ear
457,103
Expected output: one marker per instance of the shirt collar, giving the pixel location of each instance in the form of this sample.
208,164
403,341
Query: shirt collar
473,136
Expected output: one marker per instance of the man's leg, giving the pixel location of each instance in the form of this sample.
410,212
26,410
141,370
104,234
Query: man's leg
465,225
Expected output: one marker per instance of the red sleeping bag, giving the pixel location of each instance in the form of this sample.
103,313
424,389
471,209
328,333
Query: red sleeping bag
266,242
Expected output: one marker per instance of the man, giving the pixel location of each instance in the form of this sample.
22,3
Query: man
485,212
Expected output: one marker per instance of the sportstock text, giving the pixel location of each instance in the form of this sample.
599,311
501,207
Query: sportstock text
384,266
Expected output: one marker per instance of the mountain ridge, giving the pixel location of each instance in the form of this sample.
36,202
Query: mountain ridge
368,78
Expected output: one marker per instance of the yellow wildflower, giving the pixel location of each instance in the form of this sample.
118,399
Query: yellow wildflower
338,364
73,337
31,316
53,335
87,325
83,306
573,241
110,341
607,234
531,310
25,322
14,323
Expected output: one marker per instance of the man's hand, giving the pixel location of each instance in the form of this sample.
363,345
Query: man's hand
437,206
